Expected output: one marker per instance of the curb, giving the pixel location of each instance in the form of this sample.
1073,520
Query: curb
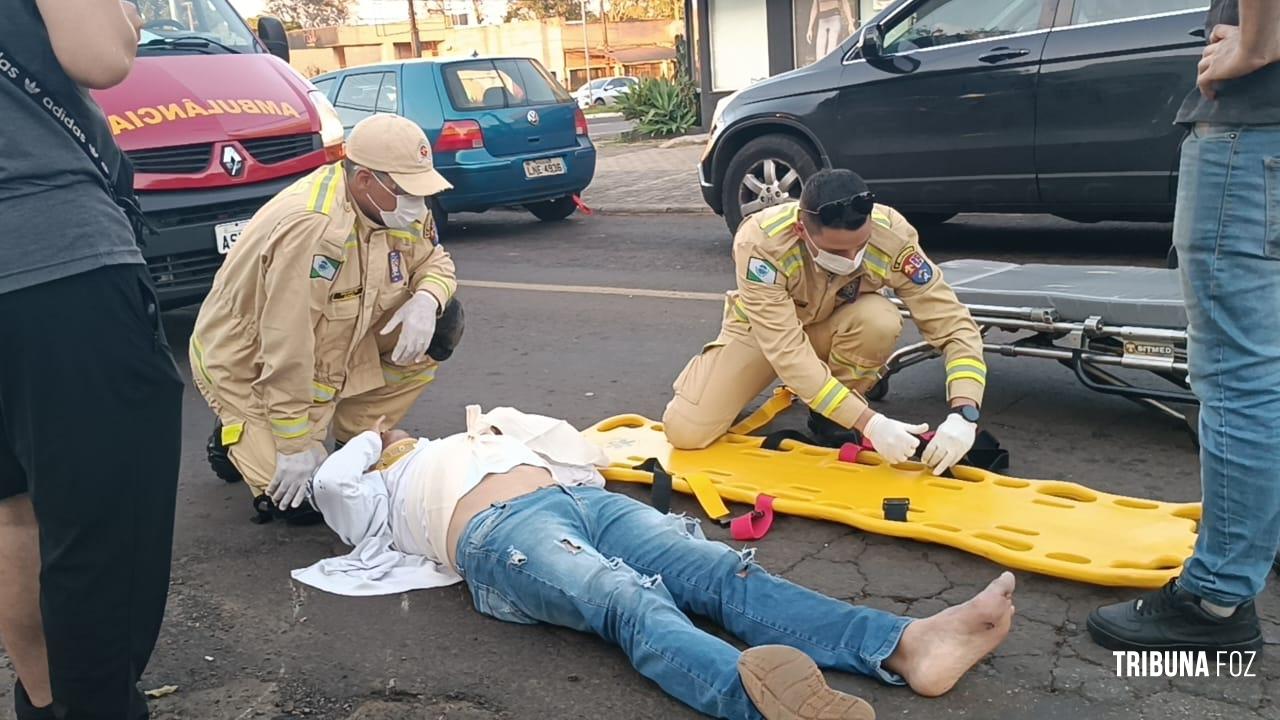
625,209
684,141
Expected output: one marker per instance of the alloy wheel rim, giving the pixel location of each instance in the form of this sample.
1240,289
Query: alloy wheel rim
769,182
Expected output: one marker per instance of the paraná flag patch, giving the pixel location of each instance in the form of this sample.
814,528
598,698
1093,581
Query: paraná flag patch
324,267
760,271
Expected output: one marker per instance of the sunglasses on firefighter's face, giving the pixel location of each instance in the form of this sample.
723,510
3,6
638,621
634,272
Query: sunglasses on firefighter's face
850,208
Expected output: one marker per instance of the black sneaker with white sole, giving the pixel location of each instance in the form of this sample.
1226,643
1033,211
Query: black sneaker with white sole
1172,619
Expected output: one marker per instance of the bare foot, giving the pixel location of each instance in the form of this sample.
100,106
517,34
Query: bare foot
935,652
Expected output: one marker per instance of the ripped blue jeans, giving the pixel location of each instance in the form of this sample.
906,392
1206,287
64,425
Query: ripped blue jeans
601,562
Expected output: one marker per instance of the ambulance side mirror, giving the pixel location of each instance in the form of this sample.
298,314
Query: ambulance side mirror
274,36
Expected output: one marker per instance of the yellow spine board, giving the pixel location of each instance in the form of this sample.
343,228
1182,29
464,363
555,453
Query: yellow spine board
1054,528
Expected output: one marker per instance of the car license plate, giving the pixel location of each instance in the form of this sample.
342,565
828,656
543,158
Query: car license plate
544,167
226,235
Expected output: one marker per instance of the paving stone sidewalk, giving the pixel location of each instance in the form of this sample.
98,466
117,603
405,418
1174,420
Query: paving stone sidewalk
639,178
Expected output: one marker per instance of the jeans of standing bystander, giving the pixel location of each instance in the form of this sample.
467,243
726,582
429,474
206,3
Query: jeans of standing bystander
1227,234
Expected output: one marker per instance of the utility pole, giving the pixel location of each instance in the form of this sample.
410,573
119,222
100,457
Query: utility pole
414,43
605,19
586,50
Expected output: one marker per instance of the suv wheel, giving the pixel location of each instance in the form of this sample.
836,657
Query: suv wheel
553,210
767,171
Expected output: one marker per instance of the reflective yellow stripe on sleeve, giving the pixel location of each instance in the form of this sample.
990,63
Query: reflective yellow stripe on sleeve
199,353
967,369
405,236
860,372
324,191
440,283
322,393
830,397
739,312
290,428
393,375
877,261
775,226
791,261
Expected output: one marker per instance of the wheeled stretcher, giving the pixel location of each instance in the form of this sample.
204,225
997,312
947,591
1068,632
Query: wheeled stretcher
1090,318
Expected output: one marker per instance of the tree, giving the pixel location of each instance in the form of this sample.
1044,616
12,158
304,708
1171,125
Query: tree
311,13
614,10
623,10
541,9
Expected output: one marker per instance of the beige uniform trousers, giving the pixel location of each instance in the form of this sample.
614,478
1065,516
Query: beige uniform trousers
253,452
716,385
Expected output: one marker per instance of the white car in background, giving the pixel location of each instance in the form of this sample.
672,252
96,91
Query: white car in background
603,91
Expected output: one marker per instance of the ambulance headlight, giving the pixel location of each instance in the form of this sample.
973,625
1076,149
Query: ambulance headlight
331,134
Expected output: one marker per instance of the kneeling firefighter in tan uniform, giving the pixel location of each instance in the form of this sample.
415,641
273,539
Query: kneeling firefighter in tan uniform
333,308
809,310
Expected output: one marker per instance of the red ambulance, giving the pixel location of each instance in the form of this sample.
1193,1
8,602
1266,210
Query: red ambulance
215,122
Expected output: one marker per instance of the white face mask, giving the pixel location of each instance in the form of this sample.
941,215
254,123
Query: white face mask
409,210
837,264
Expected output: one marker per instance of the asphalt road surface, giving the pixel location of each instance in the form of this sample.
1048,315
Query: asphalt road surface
243,641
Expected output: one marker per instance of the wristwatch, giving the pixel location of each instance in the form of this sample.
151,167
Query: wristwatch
968,412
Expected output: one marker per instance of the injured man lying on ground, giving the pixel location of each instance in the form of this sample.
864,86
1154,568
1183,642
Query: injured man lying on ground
516,508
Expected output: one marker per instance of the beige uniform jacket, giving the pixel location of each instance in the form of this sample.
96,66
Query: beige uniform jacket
781,290
294,312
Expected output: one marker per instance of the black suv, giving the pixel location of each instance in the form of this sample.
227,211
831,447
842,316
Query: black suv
998,106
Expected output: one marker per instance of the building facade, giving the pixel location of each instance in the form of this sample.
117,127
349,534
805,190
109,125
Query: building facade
737,42
641,48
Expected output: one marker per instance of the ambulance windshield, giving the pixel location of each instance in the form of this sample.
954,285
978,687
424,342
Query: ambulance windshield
192,26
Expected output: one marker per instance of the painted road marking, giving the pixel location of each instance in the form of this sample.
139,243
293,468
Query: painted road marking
594,290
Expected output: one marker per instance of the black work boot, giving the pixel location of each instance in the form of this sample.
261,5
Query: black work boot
1172,619
829,433
266,511
24,710
220,458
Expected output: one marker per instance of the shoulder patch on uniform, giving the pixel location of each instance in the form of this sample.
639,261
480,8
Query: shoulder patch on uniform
907,252
323,266
761,271
917,268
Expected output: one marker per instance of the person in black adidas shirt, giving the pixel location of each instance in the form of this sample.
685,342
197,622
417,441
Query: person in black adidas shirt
86,514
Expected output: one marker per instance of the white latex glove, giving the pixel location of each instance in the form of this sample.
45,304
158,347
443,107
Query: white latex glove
417,321
954,438
293,475
895,441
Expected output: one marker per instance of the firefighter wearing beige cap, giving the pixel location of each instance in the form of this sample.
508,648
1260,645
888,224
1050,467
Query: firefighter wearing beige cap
333,309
